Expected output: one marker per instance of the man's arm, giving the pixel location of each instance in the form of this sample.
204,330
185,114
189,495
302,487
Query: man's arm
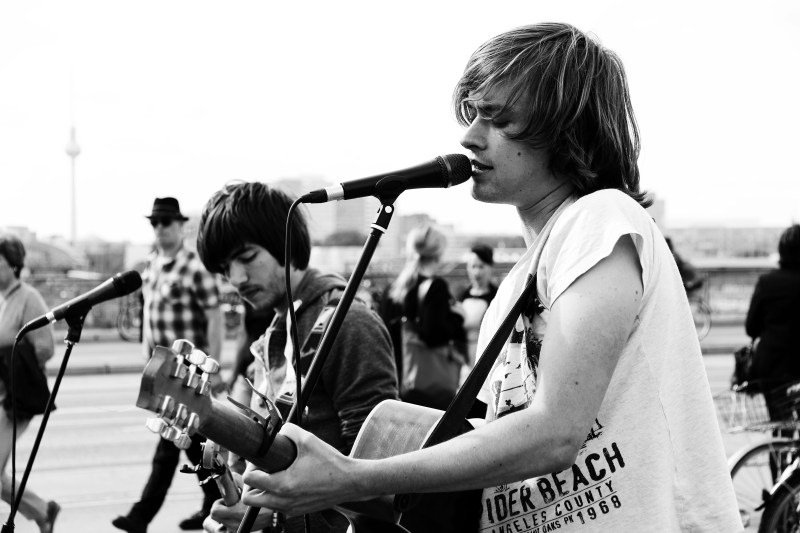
589,324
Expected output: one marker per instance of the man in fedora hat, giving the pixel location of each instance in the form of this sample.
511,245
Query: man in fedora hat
181,301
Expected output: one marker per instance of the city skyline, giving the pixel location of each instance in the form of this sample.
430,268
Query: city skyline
180,103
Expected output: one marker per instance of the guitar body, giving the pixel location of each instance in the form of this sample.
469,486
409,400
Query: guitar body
394,428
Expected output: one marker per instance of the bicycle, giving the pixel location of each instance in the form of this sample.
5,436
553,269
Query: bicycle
697,293
782,508
129,318
756,470
782,511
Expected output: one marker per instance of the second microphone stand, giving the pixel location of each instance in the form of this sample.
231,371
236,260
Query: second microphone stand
75,327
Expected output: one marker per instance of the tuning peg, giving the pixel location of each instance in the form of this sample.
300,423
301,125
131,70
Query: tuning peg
183,441
210,366
182,347
192,378
192,424
196,357
204,387
181,414
156,425
195,360
167,408
170,433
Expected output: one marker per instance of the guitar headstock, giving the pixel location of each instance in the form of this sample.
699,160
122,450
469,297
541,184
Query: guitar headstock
176,385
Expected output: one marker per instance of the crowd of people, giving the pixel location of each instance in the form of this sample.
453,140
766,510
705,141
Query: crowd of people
598,391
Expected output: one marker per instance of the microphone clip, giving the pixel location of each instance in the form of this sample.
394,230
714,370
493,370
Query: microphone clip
74,328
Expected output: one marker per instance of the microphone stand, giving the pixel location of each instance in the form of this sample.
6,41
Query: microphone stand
75,327
326,343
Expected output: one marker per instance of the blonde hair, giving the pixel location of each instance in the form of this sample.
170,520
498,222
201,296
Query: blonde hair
424,245
576,101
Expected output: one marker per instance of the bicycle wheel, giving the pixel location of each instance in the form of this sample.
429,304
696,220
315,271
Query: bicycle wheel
129,327
782,512
754,472
702,317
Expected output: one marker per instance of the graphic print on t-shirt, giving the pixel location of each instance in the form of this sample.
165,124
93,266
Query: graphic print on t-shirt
568,499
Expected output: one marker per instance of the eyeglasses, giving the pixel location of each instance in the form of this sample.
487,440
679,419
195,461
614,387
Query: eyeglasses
155,221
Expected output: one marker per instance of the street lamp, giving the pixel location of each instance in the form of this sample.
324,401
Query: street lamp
73,150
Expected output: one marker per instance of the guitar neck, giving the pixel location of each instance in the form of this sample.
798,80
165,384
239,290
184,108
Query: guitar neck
237,432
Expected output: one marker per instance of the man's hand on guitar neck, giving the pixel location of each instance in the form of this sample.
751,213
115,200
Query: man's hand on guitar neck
320,478
225,518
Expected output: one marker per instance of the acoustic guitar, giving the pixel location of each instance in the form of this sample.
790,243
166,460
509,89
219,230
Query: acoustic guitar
176,386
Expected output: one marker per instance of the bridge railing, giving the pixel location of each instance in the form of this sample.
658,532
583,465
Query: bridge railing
729,287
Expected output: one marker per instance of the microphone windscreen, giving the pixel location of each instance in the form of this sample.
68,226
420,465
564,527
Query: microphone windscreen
127,282
460,168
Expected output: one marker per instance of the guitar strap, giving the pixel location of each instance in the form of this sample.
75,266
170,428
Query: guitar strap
452,422
285,401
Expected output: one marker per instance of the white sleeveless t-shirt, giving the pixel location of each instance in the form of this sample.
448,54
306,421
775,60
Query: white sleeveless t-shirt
653,460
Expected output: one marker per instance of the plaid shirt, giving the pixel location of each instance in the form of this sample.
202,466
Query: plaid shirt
177,291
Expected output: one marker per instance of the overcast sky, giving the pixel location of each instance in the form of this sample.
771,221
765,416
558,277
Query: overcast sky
174,98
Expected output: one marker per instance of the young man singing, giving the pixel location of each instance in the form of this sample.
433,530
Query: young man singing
600,416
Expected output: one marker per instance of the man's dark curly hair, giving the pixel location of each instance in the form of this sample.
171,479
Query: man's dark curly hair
250,213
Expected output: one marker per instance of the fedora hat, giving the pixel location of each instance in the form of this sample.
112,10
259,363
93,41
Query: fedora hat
167,208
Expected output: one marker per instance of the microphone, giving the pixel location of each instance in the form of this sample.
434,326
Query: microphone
114,287
443,171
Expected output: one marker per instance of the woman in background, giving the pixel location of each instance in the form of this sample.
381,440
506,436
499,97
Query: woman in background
427,307
19,304
475,298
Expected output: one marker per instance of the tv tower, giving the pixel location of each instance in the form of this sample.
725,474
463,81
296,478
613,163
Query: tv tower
73,150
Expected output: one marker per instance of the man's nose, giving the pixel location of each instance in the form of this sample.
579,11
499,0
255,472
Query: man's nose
236,275
474,137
